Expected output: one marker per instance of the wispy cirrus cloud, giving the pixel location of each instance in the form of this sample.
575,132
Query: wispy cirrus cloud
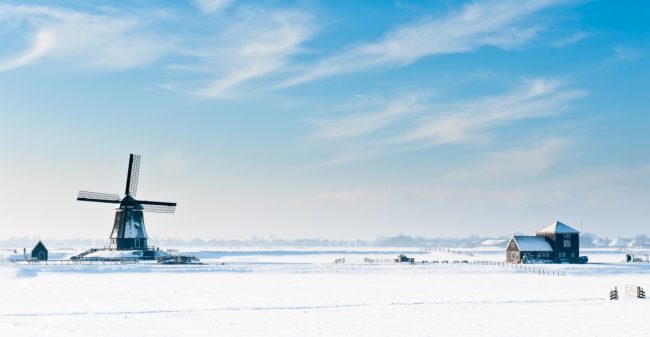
102,39
626,54
458,122
259,45
430,124
212,6
42,43
245,45
501,24
515,163
571,39
381,115
248,48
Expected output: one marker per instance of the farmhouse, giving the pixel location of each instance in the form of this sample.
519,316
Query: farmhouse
556,243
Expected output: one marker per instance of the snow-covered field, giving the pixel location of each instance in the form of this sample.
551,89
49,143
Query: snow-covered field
301,292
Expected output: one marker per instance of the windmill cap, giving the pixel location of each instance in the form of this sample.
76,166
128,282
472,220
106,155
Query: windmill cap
128,201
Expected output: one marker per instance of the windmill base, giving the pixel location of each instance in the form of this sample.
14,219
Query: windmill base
129,244
108,254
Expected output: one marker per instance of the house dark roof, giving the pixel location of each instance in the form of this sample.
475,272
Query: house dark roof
39,245
532,243
557,227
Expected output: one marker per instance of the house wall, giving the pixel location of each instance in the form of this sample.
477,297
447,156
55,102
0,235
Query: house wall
561,253
39,253
534,255
512,252
572,252
515,255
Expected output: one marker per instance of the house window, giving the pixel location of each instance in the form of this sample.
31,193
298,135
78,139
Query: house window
567,235
573,255
567,243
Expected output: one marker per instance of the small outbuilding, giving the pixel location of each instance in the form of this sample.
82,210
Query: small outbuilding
39,253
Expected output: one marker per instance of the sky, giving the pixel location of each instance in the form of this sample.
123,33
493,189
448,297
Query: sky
327,119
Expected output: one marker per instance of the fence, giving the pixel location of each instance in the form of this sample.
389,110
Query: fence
377,261
634,291
76,262
613,295
446,250
522,268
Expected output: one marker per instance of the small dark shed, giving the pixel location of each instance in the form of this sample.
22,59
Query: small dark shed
39,252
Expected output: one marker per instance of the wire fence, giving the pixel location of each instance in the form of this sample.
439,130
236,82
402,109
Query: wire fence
77,262
446,250
523,268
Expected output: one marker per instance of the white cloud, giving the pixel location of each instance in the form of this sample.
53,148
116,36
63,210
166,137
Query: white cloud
361,124
107,40
43,43
569,40
501,24
235,50
212,6
513,164
417,126
259,46
461,121
623,53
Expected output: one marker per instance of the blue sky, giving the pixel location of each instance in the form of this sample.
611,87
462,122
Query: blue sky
327,119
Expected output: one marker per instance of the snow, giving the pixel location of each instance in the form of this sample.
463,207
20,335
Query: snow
557,227
532,243
301,292
115,254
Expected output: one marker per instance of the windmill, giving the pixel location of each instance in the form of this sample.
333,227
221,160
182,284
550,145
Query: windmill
128,230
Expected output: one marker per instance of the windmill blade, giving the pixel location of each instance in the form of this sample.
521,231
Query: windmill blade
158,206
99,197
159,209
132,176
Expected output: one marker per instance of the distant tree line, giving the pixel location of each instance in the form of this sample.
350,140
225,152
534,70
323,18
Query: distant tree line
587,240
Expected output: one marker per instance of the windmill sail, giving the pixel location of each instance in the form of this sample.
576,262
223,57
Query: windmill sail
132,176
158,207
99,197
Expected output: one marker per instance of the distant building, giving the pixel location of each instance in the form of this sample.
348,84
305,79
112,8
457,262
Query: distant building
621,242
494,243
39,252
556,243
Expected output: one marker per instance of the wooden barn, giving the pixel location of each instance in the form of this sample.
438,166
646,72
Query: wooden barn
526,248
39,252
556,243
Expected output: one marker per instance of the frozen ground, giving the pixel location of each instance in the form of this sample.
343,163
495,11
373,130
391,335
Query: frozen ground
301,292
